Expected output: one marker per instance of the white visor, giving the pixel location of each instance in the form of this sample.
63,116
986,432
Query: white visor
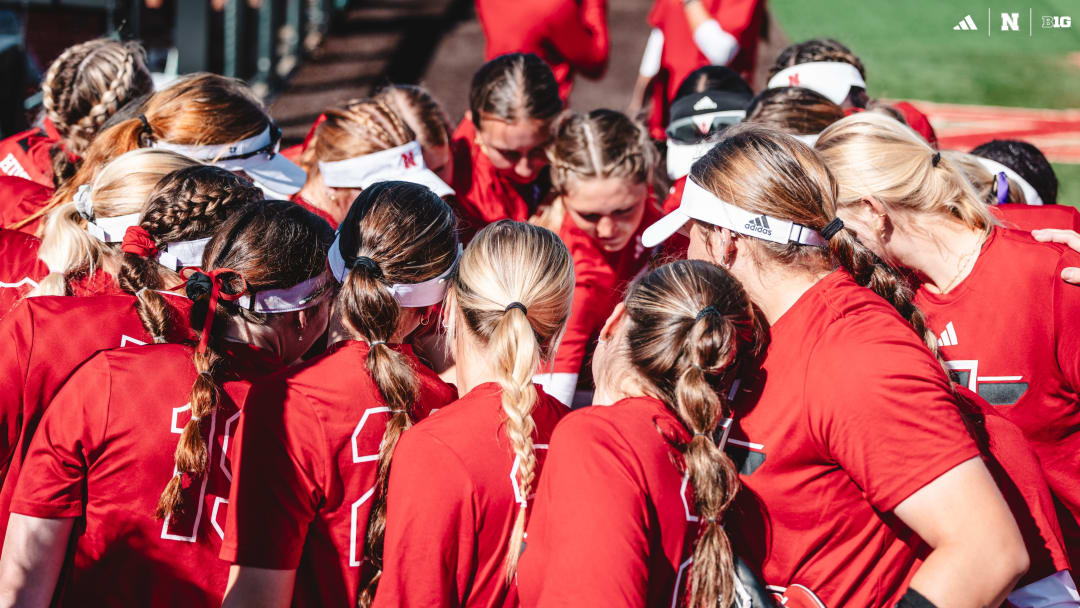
809,139
408,295
269,169
1030,194
405,163
301,296
833,79
680,157
699,204
111,229
182,254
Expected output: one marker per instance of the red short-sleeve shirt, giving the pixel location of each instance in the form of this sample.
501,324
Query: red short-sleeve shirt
614,521
305,474
28,154
569,35
20,268
1010,331
105,451
42,342
19,199
452,503
820,435
1035,217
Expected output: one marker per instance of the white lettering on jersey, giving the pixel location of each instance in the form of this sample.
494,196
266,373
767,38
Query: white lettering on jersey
23,281
175,428
10,166
518,498
125,340
355,555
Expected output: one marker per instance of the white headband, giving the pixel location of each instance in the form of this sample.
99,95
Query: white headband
181,254
301,296
1030,194
809,139
111,229
699,204
215,152
405,162
408,295
833,79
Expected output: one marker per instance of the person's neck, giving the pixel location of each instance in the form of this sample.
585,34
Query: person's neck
775,290
471,365
263,337
942,253
314,193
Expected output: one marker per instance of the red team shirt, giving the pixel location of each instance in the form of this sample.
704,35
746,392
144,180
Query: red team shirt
311,435
483,195
44,340
20,268
1035,217
831,416
614,521
569,35
28,154
104,453
19,199
452,504
1010,333
299,200
600,278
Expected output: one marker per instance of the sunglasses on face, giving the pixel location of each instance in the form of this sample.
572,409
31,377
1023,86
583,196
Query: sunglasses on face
698,128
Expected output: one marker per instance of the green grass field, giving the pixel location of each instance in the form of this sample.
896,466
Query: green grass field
912,52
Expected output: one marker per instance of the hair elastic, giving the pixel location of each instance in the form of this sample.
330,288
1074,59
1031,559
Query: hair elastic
1002,188
200,284
832,228
368,264
83,203
517,305
705,311
137,241
376,343
936,158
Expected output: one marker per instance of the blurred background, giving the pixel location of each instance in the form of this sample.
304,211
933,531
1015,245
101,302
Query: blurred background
302,56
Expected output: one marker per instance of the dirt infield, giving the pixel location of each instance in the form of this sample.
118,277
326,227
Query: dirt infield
962,127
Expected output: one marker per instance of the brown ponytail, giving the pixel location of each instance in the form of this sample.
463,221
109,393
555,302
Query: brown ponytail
185,205
272,245
512,293
395,232
689,324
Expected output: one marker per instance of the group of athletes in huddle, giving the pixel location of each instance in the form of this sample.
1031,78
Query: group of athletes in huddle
838,371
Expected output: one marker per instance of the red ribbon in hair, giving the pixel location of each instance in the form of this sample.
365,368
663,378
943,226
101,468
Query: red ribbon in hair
201,284
137,240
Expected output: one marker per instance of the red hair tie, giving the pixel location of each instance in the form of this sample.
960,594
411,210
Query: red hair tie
201,284
137,240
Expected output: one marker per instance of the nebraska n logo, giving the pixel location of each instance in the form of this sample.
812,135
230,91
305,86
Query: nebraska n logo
408,160
759,224
793,80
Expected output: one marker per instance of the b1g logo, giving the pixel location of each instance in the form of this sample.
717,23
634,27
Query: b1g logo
1055,22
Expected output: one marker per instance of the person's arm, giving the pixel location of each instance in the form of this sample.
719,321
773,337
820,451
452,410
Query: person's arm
977,554
34,550
260,587
580,34
649,68
718,46
879,403
586,319
1066,237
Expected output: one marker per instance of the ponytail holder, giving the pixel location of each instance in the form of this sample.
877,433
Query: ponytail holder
146,126
139,242
1002,188
832,228
83,204
196,418
517,305
706,311
711,520
375,343
701,434
936,159
199,285
371,266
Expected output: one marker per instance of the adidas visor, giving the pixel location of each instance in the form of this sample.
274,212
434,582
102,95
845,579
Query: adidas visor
700,204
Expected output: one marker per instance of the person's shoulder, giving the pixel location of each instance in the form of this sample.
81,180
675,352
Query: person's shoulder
1038,257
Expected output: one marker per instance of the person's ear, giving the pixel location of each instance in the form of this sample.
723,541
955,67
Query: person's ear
725,244
614,322
876,214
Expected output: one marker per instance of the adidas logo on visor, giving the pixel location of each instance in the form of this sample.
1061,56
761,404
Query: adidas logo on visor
705,103
759,224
